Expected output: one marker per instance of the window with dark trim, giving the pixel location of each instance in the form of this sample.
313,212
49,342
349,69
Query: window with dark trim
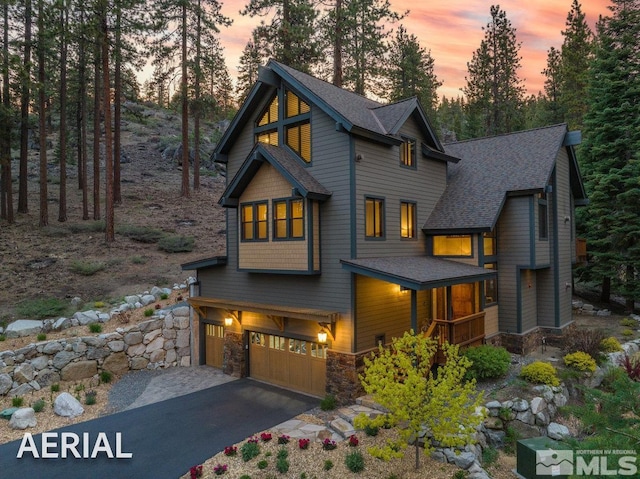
374,218
407,220
491,286
452,245
253,222
270,115
543,220
298,138
288,219
490,243
408,153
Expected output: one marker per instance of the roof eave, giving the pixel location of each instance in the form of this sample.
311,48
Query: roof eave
204,263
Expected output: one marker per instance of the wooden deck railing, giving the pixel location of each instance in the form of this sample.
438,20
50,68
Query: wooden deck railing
465,332
581,250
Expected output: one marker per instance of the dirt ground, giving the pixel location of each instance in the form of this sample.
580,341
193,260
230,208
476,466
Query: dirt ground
36,261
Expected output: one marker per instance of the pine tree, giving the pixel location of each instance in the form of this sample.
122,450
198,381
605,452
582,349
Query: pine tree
64,21
25,98
576,53
6,125
553,87
411,71
42,110
610,155
494,91
250,62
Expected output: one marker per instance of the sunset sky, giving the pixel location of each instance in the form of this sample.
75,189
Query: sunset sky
452,30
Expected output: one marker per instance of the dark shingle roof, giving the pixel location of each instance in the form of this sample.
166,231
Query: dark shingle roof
417,272
489,169
287,166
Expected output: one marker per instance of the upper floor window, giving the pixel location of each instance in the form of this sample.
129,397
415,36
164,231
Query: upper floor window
543,228
270,115
288,219
269,137
407,220
491,286
490,243
452,245
253,222
295,106
408,153
374,218
298,138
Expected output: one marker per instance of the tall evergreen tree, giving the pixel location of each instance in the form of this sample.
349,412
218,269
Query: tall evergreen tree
6,125
291,34
553,87
610,155
411,71
494,91
250,62
576,53
64,21
42,110
25,98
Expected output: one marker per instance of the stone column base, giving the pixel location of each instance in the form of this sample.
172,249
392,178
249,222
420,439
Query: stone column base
234,362
342,375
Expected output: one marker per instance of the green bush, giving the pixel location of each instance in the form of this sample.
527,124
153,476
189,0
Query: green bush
627,333
371,430
263,464
41,308
282,463
95,327
2,337
141,234
328,465
105,377
41,337
164,296
245,476
540,372
355,461
55,388
328,403
176,244
38,406
629,323
580,361
488,362
148,312
90,398
17,401
86,268
489,456
249,450
99,304
610,345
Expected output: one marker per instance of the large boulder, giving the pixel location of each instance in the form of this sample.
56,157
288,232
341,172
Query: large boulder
23,327
61,359
23,418
23,373
557,431
79,370
117,363
67,406
5,383
87,317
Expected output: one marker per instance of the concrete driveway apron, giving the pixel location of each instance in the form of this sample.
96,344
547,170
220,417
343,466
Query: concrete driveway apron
165,438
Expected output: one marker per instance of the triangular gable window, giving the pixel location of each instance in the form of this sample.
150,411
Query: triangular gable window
271,113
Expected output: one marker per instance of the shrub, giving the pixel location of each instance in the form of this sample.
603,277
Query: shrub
220,469
141,234
585,340
2,337
41,336
99,304
371,430
459,475
249,450
164,296
355,461
328,403
262,464
138,260
328,444
148,312
284,439
282,453
627,333
55,388
353,440
38,406
230,451
86,268
196,471
629,323
41,308
303,443
489,455
17,401
105,377
176,244
266,436
90,398
488,362
540,373
328,464
245,476
95,327
580,361
631,365
282,465
610,345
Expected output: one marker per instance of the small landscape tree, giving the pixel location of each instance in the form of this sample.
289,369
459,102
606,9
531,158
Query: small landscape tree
400,379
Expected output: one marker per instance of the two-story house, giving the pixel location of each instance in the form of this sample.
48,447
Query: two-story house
348,223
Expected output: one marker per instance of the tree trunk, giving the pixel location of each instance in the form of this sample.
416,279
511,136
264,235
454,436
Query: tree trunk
96,133
6,193
42,117
23,204
196,113
62,207
337,47
185,106
117,108
108,141
82,122
605,294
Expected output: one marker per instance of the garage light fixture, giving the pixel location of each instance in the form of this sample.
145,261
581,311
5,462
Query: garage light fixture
326,330
230,316
228,321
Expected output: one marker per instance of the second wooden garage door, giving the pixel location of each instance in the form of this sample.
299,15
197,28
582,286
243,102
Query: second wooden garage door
288,362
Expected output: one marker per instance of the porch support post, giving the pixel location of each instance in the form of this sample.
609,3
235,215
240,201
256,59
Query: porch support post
414,311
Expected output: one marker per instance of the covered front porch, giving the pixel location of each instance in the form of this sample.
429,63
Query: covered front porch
440,298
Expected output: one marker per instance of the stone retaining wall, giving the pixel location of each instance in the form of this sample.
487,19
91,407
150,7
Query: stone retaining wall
162,341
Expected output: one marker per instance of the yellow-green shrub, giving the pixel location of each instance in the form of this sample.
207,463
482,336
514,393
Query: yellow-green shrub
610,345
580,361
628,322
627,332
540,373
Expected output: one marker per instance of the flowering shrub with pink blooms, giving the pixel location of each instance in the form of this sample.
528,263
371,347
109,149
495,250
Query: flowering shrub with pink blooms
353,440
328,444
230,451
266,436
303,443
284,439
220,469
196,471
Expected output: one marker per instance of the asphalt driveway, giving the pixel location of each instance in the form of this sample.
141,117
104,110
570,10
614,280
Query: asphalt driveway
166,438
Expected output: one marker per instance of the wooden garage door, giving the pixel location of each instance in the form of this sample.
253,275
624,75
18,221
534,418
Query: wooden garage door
214,345
288,362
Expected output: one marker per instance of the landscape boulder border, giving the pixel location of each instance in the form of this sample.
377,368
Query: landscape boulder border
162,341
